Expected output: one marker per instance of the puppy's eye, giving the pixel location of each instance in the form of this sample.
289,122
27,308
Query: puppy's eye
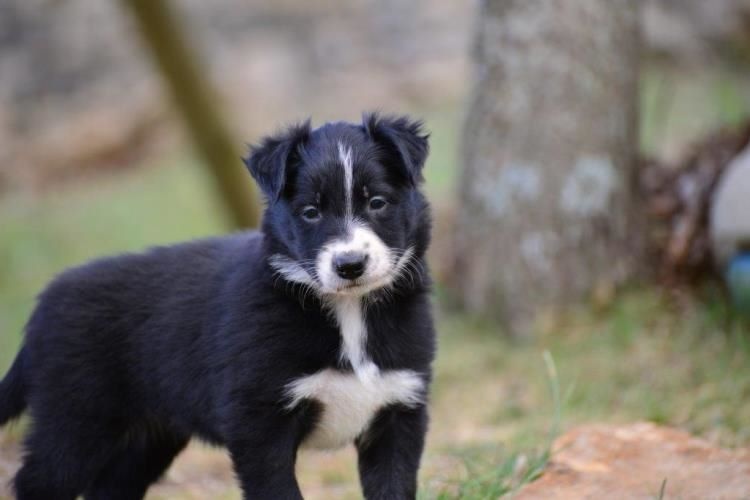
377,203
311,213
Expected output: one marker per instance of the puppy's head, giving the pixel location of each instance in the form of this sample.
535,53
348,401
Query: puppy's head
345,215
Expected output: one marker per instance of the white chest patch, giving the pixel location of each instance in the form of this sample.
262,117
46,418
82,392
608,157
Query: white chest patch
349,402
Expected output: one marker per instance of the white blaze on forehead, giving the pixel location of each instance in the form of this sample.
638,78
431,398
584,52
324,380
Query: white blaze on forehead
345,156
349,403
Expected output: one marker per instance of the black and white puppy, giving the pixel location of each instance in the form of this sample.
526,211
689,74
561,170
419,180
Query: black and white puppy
316,332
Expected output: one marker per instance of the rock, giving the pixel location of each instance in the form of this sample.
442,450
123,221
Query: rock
729,220
632,461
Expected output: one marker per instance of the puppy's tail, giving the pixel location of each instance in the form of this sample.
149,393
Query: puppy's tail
12,391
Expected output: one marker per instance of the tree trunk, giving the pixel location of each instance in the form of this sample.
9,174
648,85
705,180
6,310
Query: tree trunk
547,191
195,100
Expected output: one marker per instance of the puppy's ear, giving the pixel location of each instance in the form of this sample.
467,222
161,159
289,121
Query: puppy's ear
271,161
402,139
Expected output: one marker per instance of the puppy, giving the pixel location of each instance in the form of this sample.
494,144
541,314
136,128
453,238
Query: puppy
314,332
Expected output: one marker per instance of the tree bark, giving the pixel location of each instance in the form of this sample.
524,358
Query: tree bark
549,148
195,100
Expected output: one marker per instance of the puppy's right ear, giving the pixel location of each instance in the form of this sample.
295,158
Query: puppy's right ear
270,162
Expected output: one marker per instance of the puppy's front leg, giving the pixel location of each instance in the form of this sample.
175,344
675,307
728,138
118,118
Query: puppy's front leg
390,451
263,447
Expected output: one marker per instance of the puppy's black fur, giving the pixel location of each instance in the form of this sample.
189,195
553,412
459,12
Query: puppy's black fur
126,358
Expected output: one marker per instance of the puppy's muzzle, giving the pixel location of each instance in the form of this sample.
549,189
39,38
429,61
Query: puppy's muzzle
350,265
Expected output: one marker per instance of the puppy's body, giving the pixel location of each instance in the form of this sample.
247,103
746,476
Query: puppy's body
250,341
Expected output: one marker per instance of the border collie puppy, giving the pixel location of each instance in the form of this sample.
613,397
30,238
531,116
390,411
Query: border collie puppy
315,332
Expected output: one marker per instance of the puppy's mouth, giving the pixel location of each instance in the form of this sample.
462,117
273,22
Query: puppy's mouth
361,285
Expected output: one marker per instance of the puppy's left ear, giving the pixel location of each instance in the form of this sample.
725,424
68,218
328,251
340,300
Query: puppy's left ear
401,138
274,159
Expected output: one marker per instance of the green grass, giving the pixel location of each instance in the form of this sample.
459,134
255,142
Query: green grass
491,471
662,490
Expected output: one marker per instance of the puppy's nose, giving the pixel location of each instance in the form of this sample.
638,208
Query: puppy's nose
350,265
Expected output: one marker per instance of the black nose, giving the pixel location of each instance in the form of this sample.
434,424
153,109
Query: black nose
350,265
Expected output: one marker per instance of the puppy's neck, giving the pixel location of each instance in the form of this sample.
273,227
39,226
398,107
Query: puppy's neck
350,316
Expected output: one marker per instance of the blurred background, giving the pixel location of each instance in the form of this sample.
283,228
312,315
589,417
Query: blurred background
587,176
